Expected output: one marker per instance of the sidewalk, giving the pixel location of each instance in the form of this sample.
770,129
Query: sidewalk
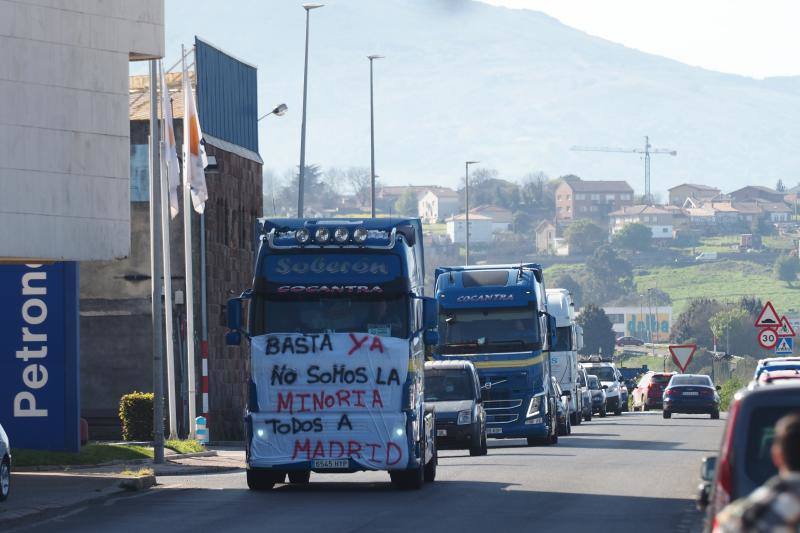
59,488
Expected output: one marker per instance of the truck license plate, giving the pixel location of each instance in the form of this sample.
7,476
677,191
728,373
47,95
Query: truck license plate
494,430
331,463
441,432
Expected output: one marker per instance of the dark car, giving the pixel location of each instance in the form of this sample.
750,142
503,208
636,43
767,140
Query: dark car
744,461
629,341
598,395
453,389
562,408
5,465
692,394
583,388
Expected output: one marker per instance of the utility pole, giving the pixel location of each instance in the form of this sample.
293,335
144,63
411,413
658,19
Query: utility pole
155,270
302,174
466,198
647,151
372,134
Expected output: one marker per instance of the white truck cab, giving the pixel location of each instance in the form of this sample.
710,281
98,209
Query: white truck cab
564,352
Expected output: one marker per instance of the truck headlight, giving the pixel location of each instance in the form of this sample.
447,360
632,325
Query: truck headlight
464,417
534,406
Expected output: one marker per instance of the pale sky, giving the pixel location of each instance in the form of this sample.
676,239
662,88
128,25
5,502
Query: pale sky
756,38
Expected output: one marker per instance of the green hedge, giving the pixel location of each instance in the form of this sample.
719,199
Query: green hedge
729,388
136,414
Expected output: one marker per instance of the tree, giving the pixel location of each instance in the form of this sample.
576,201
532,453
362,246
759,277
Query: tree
609,276
584,237
565,281
779,186
598,332
724,322
693,324
406,205
786,268
634,236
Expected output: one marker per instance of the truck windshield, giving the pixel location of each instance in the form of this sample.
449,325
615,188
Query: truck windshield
563,339
489,330
387,316
448,385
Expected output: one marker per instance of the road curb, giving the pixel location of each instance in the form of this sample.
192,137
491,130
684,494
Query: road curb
200,470
119,462
138,483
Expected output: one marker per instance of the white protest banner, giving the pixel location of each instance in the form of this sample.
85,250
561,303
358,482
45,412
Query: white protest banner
329,396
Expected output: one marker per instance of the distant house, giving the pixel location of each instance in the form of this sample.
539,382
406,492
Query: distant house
753,193
545,234
480,228
771,211
699,193
661,220
386,197
436,204
594,200
502,218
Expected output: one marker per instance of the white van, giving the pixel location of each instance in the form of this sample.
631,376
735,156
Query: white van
706,256
564,353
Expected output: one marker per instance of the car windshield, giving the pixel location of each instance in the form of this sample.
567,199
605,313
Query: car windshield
690,380
488,330
760,434
386,317
448,385
603,373
660,379
594,383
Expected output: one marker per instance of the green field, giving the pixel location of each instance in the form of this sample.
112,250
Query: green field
723,280
730,243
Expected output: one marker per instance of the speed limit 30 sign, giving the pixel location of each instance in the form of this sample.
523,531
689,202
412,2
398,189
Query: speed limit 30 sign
768,338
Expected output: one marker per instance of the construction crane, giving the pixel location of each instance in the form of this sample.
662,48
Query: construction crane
647,151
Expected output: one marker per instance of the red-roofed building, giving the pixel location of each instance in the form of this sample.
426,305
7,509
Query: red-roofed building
577,198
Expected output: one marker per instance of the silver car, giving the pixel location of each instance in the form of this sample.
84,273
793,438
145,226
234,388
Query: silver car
5,465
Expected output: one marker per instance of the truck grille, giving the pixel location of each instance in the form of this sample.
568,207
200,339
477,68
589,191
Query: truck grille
502,411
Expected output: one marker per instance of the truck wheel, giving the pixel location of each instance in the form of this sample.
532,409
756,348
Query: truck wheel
588,418
536,441
578,418
260,480
430,468
5,480
299,478
410,479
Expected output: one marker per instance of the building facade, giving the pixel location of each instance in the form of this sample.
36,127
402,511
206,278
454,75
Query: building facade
435,205
64,134
660,220
480,229
753,193
698,193
593,200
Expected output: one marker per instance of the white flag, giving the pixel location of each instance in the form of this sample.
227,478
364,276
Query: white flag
170,148
194,153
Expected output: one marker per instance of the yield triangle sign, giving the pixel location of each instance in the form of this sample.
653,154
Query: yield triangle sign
768,317
682,354
785,329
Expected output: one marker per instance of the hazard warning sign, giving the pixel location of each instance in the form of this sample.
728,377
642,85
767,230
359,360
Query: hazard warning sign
768,317
785,329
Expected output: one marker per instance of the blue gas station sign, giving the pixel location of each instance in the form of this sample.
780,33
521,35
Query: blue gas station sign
39,371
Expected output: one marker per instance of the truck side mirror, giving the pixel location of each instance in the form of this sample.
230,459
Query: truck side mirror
551,328
430,313
708,467
234,309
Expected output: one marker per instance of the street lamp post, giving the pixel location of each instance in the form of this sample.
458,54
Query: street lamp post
372,134
308,8
466,197
279,111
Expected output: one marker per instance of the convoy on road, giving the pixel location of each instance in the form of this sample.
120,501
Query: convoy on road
354,368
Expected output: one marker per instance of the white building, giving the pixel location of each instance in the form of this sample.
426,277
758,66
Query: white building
480,228
64,129
435,205
660,220
502,219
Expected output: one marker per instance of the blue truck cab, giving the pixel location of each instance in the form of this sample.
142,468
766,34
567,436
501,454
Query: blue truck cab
337,325
496,317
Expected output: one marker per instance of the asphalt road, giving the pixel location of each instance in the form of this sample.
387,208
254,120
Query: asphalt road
614,474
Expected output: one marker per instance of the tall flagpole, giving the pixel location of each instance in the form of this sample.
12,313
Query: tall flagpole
173,422
155,274
187,252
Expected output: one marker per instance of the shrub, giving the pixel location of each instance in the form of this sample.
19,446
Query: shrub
136,414
729,388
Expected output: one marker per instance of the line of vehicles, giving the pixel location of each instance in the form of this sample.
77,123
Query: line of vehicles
492,354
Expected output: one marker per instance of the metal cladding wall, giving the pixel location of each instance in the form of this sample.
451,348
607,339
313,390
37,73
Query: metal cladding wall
226,96
39,397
